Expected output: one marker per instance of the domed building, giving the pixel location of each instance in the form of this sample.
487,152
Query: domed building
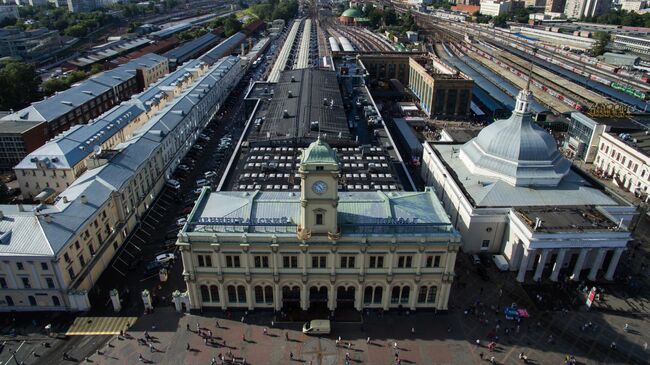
352,16
510,192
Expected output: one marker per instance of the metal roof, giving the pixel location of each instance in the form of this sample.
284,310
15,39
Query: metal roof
21,235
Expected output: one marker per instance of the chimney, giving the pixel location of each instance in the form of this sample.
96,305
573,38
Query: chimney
293,79
20,207
289,94
285,114
84,199
65,199
2,215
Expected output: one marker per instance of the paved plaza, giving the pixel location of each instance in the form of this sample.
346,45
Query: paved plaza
547,337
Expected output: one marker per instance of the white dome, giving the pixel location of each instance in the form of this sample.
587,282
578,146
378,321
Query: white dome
516,150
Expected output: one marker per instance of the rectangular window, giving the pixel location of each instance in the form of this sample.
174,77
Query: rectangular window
404,261
91,248
82,260
485,244
19,266
44,266
261,262
232,261
290,262
347,262
3,283
319,219
26,283
436,261
376,262
50,283
66,257
319,262
71,272
201,261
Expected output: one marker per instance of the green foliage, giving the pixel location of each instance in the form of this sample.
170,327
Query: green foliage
242,4
441,4
231,26
4,193
19,85
72,24
133,26
390,17
283,9
603,39
500,20
62,83
408,22
622,17
192,34
96,68
7,22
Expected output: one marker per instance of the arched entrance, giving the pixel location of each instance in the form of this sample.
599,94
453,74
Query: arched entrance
345,297
318,298
290,297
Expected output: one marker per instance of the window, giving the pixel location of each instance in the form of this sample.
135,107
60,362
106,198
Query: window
259,294
9,300
485,245
20,266
44,266
66,257
55,301
205,260
319,218
3,283
372,295
214,293
400,295
319,168
26,283
404,261
232,261
71,272
236,294
319,262
261,261
290,262
376,262
427,294
347,262
32,300
433,261
205,293
50,283
76,245
91,248
82,260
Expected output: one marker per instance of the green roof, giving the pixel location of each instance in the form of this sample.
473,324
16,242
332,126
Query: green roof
319,152
353,13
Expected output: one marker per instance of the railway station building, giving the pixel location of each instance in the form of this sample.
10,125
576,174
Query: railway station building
319,247
509,191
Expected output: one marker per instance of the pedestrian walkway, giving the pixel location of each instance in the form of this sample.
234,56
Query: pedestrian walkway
85,326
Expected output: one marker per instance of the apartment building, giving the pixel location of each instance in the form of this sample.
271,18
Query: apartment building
625,159
52,254
17,139
319,248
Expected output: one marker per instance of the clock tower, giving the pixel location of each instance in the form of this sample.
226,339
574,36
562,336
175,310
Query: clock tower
319,172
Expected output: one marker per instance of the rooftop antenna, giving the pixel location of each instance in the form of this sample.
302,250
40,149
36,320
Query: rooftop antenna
530,70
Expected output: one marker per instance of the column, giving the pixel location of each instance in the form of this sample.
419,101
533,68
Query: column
358,297
540,264
390,263
385,301
362,262
579,264
523,264
36,283
304,304
249,296
559,261
331,300
332,259
303,259
418,263
597,264
277,297
609,275
223,296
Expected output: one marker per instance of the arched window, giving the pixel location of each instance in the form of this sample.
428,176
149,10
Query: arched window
268,294
32,300
379,291
214,293
367,295
241,294
394,296
405,294
427,294
259,294
56,301
232,294
205,293
400,295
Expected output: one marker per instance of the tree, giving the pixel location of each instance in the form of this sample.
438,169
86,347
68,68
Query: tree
390,17
500,20
603,39
96,68
242,4
9,21
76,30
231,26
19,85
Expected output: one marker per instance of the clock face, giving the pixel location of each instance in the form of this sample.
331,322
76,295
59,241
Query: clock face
319,187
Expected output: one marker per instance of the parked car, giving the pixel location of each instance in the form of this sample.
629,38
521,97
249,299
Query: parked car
153,267
174,184
166,257
181,222
183,167
202,182
209,174
197,191
197,147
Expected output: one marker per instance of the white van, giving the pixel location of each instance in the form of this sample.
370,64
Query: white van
173,184
501,262
317,327
201,182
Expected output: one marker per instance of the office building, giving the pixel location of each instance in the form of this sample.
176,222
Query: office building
52,254
624,158
509,191
319,248
495,7
34,45
554,6
576,9
17,139
81,6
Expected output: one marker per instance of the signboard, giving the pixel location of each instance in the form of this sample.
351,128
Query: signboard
591,296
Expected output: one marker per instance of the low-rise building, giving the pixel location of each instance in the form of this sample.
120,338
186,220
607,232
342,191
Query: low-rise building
18,139
87,100
495,7
509,191
8,11
634,6
81,6
318,249
625,158
51,254
637,44
34,45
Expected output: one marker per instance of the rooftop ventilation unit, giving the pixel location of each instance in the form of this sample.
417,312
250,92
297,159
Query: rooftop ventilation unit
285,114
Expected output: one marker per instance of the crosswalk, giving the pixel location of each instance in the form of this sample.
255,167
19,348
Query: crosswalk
89,326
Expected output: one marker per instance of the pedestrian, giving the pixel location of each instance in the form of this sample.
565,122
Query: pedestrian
187,347
217,324
286,336
151,348
368,340
478,342
272,323
66,356
205,340
481,355
612,345
242,319
198,327
492,360
395,345
349,345
140,358
213,361
146,335
645,346
188,326
291,355
243,338
266,332
627,327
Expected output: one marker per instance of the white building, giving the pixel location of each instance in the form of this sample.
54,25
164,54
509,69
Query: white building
576,9
495,7
635,6
522,199
51,255
624,158
319,248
